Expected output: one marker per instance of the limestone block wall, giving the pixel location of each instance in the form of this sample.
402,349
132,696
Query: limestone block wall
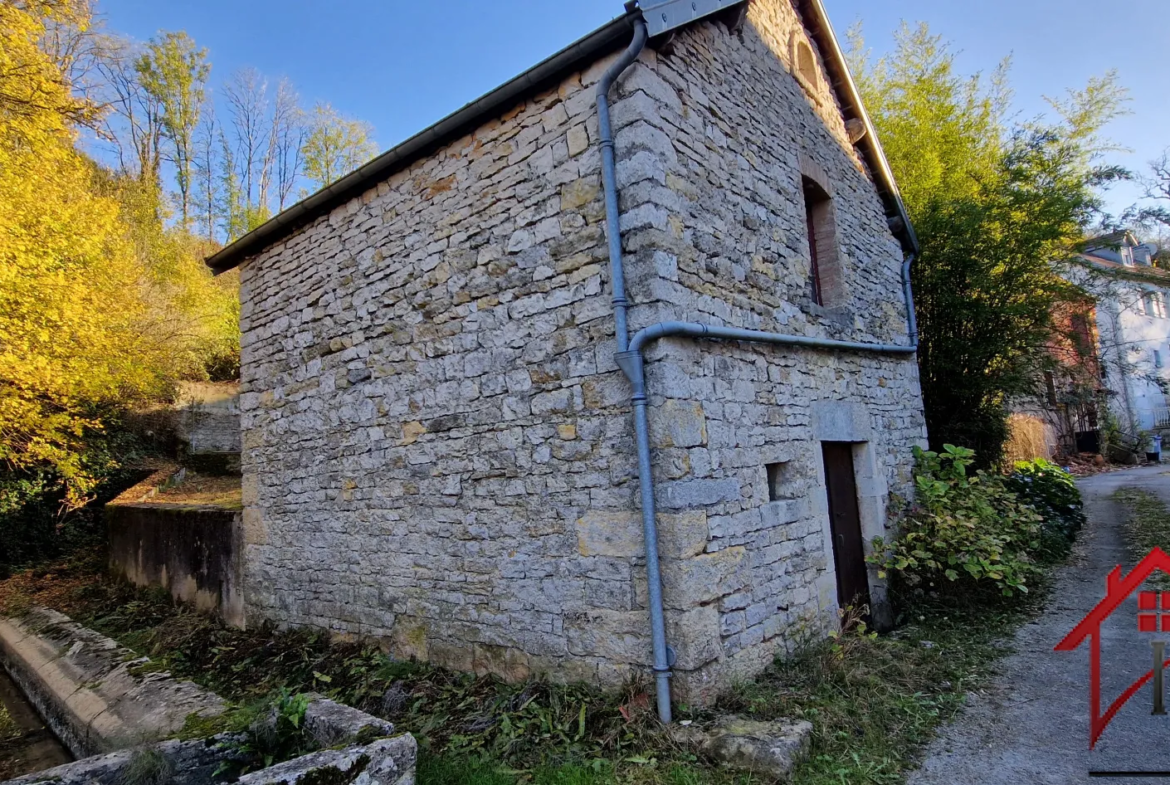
437,442
714,207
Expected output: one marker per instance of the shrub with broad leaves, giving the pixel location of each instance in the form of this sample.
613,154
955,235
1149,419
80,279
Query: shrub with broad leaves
1053,493
967,531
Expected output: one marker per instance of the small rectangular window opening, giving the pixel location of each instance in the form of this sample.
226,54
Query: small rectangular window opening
816,212
778,480
1157,358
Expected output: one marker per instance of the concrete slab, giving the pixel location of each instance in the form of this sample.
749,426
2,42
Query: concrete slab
88,689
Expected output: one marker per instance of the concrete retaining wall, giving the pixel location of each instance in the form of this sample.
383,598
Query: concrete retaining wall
90,690
363,749
193,552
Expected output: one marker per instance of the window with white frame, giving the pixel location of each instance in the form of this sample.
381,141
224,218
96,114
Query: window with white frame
1154,304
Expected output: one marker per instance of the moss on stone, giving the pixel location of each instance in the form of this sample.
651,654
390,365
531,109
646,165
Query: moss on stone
332,775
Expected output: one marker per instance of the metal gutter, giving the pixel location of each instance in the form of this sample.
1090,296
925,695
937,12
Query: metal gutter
584,51
671,14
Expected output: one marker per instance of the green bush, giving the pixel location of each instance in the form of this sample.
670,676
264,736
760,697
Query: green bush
37,522
1053,493
965,532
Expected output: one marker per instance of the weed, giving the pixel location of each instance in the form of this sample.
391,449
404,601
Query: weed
8,727
147,767
280,735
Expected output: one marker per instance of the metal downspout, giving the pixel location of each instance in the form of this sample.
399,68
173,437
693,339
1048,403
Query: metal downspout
629,359
617,277
908,293
613,231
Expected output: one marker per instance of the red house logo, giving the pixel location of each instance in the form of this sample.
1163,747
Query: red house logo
1153,616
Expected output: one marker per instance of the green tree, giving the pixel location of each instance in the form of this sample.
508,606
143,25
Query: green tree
335,145
174,73
995,206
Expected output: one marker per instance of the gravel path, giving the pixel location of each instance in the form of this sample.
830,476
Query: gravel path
1031,725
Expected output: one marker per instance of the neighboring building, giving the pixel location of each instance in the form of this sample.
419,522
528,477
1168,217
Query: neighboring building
1133,327
437,438
1064,418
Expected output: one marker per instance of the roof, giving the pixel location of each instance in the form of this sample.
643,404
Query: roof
1111,240
609,37
1145,273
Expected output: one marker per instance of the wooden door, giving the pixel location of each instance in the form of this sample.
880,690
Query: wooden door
845,525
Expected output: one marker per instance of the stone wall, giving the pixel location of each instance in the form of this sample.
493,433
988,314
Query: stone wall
715,208
437,442
209,417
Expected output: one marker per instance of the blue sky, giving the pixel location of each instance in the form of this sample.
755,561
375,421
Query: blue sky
401,65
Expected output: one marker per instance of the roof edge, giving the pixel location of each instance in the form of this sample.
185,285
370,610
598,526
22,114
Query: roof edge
1151,275
847,87
601,41
607,37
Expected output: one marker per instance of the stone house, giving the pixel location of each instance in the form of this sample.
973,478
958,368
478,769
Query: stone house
438,368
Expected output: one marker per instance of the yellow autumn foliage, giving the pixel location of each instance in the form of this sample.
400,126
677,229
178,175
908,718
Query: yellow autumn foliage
88,322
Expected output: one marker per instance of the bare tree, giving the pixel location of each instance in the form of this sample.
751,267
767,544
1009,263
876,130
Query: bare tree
247,99
205,172
286,140
135,123
74,41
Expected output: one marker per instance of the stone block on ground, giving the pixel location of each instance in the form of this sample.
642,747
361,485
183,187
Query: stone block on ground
178,762
385,762
330,724
769,749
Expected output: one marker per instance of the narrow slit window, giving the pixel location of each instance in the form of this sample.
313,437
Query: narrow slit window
819,217
806,64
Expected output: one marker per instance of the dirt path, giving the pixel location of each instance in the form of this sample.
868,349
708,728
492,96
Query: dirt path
1032,724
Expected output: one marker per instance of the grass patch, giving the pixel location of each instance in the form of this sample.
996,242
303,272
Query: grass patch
147,767
874,701
198,490
8,727
1148,524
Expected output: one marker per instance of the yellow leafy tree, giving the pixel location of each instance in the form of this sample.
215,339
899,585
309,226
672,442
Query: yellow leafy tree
74,322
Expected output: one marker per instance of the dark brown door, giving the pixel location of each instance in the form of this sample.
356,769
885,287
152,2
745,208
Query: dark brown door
845,523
